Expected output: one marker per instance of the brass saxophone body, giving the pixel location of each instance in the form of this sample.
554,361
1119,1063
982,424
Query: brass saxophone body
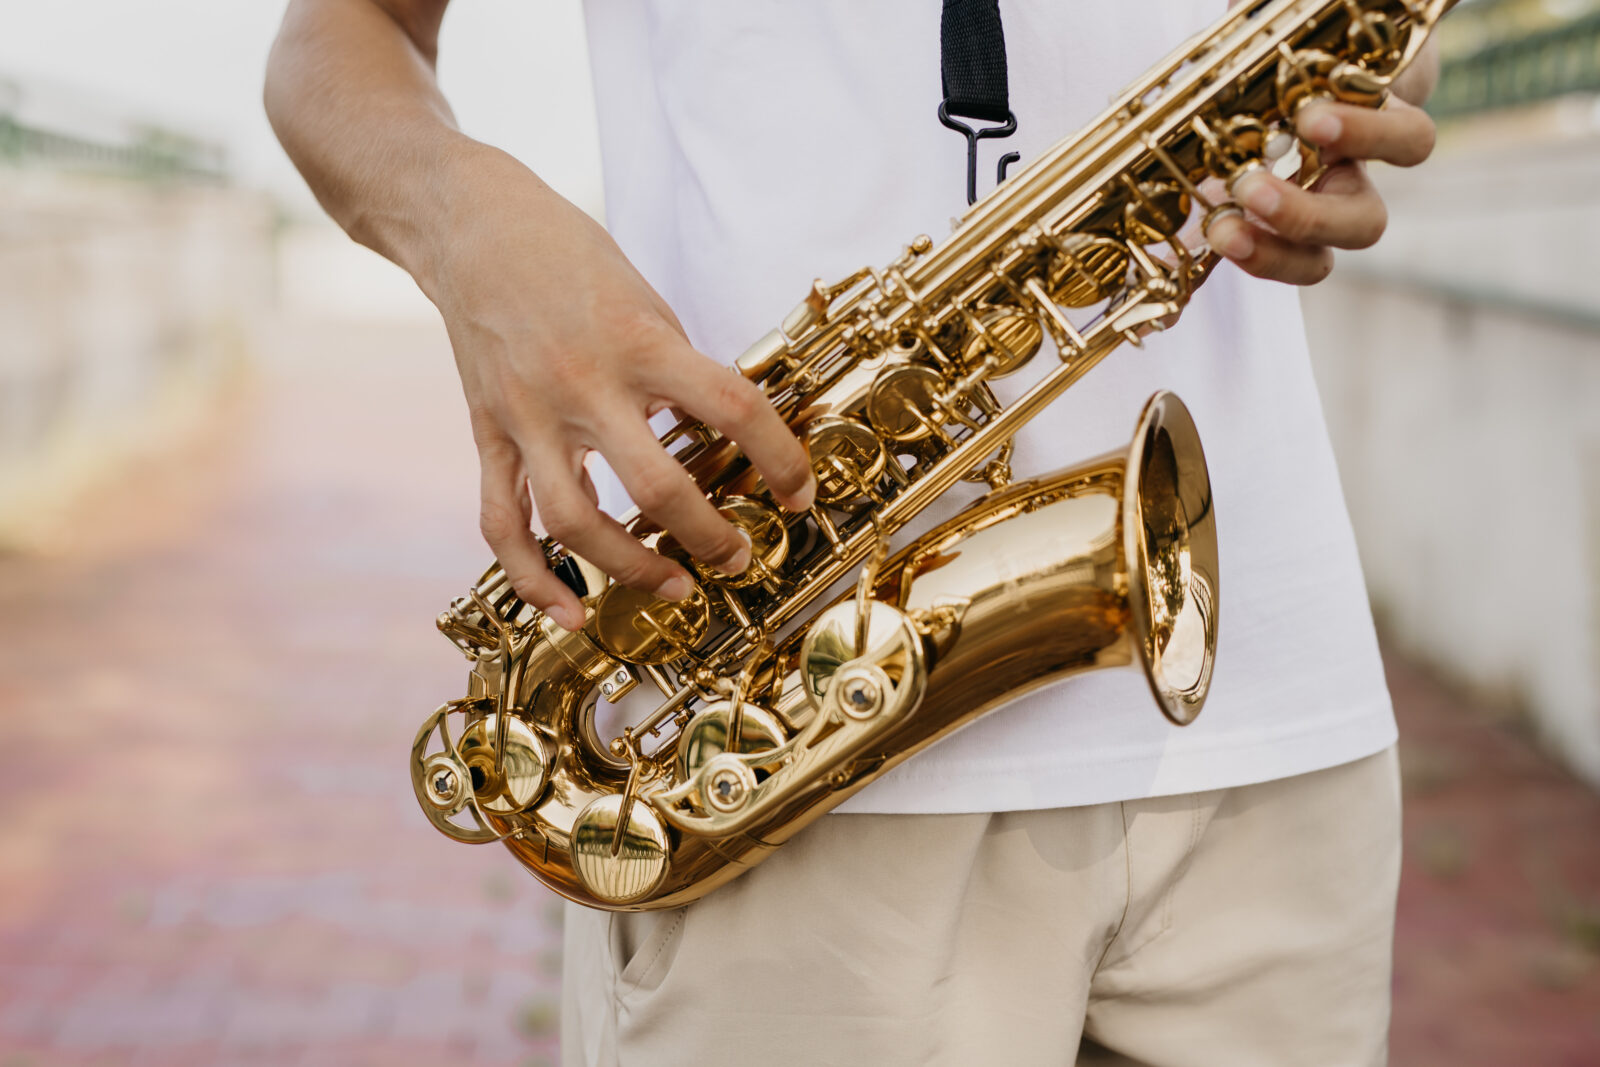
770,702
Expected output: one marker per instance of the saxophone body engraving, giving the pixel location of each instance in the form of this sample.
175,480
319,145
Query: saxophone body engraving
768,701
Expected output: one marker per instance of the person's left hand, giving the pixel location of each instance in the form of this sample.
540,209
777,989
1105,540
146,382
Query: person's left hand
1287,233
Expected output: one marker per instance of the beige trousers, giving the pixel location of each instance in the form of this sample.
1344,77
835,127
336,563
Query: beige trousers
1246,926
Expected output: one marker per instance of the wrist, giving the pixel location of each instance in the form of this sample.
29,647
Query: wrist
482,193
422,239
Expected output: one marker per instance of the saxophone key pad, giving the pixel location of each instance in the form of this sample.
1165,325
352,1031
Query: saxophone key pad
889,673
620,849
903,405
1012,337
706,736
847,457
640,627
1156,211
769,542
522,768
1087,269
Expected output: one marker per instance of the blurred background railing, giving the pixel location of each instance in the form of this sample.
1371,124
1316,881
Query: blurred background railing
1516,52
63,136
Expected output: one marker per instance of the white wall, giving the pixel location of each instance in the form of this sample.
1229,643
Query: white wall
1459,364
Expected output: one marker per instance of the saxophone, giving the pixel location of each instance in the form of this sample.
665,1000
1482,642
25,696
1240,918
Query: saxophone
763,700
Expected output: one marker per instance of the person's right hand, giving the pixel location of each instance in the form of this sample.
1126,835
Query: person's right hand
563,349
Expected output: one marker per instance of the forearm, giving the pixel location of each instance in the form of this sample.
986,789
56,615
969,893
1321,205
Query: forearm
352,95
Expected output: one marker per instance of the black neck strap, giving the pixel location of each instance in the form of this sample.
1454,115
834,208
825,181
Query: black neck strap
972,68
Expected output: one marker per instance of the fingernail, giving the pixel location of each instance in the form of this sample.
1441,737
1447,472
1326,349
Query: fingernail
1319,124
735,565
807,497
678,587
564,617
1255,192
1236,242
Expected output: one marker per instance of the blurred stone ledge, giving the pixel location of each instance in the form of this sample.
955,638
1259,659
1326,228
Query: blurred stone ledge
1459,366
123,310
133,283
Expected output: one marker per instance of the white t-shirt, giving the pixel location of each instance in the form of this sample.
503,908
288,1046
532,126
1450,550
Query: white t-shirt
752,145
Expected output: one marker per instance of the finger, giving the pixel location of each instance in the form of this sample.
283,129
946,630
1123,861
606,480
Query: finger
572,518
664,491
1399,133
738,409
504,523
1345,212
586,483
1267,255
668,314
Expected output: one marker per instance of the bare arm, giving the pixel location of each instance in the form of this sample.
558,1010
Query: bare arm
562,347
351,94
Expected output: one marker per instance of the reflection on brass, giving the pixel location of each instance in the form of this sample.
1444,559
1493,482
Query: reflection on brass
619,870
764,703
848,458
1087,270
1009,339
1156,211
903,404
769,542
640,628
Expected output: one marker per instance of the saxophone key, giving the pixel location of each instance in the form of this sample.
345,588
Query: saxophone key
709,732
1087,269
847,457
1003,341
620,851
769,543
1156,211
508,767
1233,146
641,628
903,404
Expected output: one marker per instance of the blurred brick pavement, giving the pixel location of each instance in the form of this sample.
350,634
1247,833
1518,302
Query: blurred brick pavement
211,855
1497,950
210,852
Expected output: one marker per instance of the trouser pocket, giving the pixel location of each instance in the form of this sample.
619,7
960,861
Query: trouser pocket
642,945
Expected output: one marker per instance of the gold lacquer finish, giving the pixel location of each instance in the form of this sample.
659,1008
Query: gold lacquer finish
753,706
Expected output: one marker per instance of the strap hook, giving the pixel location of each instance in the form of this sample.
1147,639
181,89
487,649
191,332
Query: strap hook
973,136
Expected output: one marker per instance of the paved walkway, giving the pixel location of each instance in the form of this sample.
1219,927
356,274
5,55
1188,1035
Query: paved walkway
211,854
